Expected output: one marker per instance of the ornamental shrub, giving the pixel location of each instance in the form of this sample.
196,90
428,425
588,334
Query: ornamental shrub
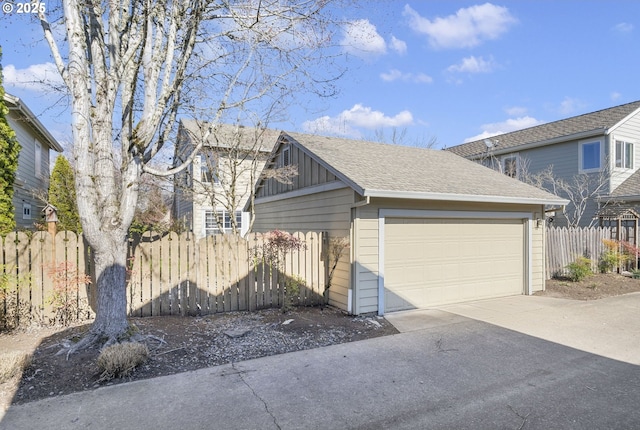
579,269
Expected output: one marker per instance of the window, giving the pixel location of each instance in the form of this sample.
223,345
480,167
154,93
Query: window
207,164
26,211
590,155
286,156
511,166
212,222
624,154
38,159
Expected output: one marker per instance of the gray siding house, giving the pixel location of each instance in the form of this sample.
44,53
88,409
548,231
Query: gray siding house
424,227
210,195
32,176
595,155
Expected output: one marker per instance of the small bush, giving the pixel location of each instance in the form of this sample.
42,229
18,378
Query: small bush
579,269
13,363
119,360
609,261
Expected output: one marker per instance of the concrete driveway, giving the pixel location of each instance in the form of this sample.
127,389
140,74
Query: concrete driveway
444,371
609,327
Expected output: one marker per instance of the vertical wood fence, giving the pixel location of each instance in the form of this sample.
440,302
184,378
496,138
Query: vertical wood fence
565,244
43,278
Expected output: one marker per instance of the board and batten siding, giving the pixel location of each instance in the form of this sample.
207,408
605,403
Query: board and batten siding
310,173
366,252
26,179
328,211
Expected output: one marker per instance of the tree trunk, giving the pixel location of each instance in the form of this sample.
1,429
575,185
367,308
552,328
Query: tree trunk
111,312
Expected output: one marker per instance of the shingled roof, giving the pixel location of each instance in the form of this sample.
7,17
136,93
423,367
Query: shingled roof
229,135
629,188
598,122
382,170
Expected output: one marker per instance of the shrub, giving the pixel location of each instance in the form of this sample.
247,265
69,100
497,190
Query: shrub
120,360
13,363
579,269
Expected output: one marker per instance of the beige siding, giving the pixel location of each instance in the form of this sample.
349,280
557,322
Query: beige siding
26,180
328,211
192,197
366,243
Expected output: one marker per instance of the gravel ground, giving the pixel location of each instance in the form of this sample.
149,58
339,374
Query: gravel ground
188,343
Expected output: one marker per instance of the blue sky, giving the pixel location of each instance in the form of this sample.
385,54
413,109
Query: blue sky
447,70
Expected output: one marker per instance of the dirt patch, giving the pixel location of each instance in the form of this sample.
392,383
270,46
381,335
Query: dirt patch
596,286
189,343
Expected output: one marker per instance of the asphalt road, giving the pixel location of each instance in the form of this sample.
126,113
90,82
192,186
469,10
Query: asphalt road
458,374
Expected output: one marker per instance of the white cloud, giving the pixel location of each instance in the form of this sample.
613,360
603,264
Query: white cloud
395,75
623,27
615,95
467,28
361,39
516,111
570,106
496,128
472,65
400,46
347,122
37,77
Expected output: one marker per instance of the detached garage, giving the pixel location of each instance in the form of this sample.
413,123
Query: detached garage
424,227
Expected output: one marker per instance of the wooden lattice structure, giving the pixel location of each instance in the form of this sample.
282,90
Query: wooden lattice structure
623,222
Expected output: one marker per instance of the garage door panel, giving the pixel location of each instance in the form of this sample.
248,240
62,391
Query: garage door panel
430,262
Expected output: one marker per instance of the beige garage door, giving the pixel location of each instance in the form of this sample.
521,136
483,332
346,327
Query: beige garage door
432,262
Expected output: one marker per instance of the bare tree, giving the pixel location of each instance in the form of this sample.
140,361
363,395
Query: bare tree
400,137
581,189
132,68
223,176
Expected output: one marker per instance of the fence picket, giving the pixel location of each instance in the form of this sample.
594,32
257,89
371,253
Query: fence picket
565,244
167,275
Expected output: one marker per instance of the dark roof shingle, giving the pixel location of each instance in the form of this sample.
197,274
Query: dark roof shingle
600,120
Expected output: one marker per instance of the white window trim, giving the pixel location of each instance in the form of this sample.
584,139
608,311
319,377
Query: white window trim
617,139
581,144
26,215
37,159
503,167
223,213
286,156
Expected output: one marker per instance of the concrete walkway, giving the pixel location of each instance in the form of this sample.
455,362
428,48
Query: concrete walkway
444,371
609,327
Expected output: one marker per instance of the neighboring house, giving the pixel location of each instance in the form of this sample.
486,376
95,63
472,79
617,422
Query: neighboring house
596,155
210,195
425,227
32,176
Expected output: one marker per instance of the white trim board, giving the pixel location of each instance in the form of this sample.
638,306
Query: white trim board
383,214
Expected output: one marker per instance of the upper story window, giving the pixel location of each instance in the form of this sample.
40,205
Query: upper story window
286,156
208,164
624,154
590,156
511,166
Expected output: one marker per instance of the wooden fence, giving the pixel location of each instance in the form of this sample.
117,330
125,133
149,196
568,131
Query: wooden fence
44,279
565,244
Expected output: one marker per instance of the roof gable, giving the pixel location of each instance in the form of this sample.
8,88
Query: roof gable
382,170
595,123
224,135
16,105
